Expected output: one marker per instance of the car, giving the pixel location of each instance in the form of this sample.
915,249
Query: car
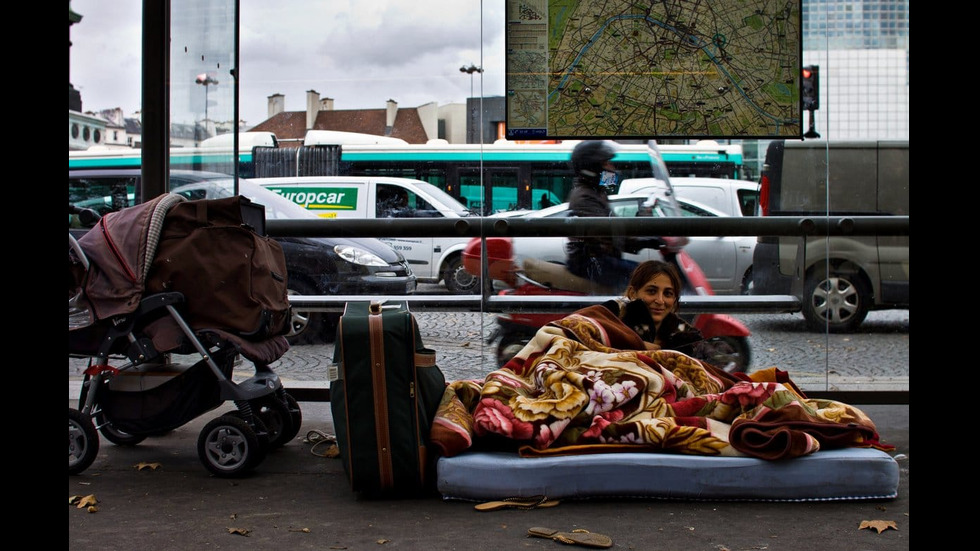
433,259
726,261
840,278
731,197
321,265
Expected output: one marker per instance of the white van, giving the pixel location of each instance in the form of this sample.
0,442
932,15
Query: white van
367,197
732,197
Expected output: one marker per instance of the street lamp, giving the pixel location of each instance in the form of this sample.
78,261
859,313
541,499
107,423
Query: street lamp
206,80
471,69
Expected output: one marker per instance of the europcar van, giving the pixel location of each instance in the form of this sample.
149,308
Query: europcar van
366,197
838,279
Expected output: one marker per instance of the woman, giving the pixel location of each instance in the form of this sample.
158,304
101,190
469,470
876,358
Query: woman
649,308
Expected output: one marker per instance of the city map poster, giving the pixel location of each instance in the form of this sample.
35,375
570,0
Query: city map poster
671,69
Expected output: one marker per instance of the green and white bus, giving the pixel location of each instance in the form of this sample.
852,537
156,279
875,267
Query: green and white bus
524,176
487,178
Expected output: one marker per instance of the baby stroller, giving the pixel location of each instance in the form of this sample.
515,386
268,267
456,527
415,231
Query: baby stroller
145,393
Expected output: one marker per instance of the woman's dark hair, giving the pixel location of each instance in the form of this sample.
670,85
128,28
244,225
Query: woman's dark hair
651,268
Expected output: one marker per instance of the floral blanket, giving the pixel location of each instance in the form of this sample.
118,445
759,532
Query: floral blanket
584,384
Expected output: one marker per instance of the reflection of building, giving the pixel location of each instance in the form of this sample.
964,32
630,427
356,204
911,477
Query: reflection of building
84,131
862,48
412,124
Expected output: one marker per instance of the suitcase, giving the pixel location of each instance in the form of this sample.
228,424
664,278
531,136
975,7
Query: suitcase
385,388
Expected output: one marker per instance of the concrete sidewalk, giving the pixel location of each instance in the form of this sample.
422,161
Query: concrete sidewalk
296,499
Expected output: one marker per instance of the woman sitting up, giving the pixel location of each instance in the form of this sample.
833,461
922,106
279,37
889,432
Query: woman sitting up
649,307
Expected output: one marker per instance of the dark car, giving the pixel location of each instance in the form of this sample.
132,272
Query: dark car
316,266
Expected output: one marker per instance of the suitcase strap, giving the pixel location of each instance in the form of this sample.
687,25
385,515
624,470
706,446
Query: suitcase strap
376,332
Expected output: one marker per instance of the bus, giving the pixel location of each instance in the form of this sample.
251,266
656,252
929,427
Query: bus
520,176
487,178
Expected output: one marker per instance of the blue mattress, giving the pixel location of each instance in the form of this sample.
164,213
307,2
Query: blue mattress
844,474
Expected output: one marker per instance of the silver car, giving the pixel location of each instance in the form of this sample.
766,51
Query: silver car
725,261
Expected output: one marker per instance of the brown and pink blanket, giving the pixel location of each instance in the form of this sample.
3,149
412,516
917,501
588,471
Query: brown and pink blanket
584,384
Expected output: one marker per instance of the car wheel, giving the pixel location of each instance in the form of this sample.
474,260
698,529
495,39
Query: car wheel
306,327
747,285
837,302
458,280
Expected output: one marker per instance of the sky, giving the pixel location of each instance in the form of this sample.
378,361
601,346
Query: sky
360,53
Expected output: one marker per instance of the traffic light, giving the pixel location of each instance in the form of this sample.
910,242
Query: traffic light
810,89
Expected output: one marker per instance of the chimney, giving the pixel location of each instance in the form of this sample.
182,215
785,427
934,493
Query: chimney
391,111
326,104
277,104
312,107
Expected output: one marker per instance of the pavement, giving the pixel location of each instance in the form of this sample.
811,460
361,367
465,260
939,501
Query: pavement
158,496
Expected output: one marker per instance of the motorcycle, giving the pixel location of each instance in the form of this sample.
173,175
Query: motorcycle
729,337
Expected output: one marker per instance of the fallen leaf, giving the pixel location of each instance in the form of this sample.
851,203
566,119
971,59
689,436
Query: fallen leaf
239,531
382,542
93,509
144,465
878,525
304,530
86,501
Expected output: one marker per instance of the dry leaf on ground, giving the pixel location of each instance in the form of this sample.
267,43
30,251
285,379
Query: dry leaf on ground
878,525
239,531
83,502
144,465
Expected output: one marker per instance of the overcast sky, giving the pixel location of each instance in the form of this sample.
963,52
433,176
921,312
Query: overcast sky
358,52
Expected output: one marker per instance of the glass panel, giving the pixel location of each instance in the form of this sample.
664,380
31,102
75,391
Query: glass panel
307,65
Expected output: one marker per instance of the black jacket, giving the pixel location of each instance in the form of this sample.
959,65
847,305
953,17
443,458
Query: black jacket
674,332
588,201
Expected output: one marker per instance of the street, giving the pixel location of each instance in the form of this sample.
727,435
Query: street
874,358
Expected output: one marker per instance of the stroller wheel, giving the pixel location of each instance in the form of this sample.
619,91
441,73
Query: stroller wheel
83,441
278,420
294,413
229,447
115,435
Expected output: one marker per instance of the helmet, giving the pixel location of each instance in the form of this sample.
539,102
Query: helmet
589,156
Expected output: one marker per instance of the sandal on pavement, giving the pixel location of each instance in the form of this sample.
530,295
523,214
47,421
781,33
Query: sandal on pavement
532,502
575,537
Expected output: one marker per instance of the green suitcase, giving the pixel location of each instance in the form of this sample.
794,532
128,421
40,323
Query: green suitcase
384,393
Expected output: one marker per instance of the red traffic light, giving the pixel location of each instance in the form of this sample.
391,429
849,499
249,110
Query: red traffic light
807,73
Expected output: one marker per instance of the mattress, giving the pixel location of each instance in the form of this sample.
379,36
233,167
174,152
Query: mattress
842,474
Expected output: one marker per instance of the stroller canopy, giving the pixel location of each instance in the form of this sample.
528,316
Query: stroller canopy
120,250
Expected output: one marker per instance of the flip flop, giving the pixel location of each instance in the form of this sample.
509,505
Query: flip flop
532,502
575,537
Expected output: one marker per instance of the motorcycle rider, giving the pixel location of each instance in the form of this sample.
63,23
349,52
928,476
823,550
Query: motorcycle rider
598,259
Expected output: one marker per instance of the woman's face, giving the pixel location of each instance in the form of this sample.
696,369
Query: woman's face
659,295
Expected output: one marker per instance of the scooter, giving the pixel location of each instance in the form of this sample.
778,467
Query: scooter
729,337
